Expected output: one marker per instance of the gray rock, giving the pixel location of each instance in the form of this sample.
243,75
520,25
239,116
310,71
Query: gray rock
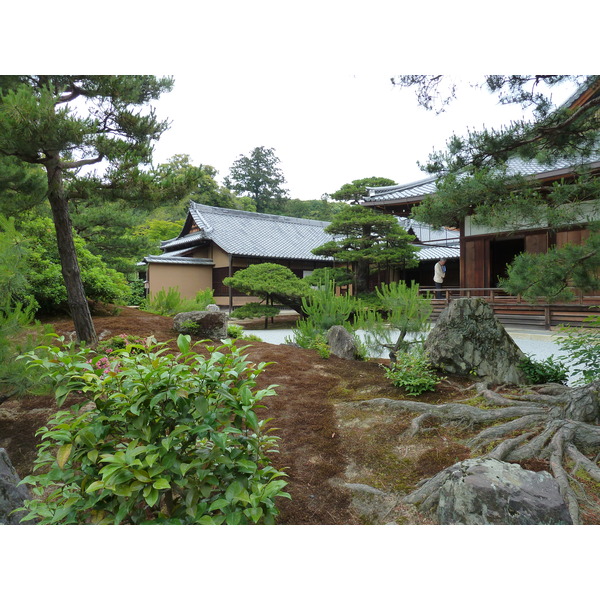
213,308
202,324
12,496
341,343
373,505
468,339
486,491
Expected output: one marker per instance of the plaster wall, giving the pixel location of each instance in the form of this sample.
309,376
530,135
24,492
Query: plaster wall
189,279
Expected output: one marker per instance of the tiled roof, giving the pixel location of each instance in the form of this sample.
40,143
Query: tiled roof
173,259
412,192
401,192
272,236
245,233
584,87
186,240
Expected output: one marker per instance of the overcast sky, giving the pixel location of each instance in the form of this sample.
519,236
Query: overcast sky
326,127
309,79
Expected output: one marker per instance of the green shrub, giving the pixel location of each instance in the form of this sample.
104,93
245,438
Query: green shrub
18,333
412,372
548,370
44,275
137,292
156,438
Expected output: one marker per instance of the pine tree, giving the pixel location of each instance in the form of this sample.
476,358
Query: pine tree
39,125
367,238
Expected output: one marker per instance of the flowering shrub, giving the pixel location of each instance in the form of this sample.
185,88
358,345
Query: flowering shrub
157,438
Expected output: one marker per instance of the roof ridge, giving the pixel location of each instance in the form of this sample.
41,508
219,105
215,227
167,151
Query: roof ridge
254,215
401,186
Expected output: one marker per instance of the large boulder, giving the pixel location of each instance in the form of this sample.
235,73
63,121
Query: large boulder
203,324
469,340
486,491
12,495
341,342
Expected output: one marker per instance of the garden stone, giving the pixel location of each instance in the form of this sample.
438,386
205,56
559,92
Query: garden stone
469,340
213,308
486,491
202,324
341,342
12,496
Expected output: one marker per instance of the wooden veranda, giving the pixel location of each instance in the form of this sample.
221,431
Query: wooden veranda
513,310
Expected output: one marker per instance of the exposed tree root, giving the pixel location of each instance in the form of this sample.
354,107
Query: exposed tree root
551,422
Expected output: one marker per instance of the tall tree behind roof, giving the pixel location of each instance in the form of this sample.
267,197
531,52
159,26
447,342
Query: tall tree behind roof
259,177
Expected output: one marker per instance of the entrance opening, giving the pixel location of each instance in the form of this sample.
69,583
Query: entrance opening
502,253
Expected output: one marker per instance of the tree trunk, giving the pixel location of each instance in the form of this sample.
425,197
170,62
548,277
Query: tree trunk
361,276
80,310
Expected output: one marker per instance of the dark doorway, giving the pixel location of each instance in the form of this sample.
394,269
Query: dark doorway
502,253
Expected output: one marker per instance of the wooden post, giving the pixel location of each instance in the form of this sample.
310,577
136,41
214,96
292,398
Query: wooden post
230,288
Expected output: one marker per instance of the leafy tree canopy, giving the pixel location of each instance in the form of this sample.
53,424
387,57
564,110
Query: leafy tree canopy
355,191
259,177
367,237
43,271
474,178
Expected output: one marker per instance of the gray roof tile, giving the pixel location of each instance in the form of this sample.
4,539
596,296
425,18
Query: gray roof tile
437,252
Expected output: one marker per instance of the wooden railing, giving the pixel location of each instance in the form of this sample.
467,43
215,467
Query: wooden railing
514,310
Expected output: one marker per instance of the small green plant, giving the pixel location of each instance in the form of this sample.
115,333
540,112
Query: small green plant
204,298
581,346
548,370
412,372
319,343
156,437
323,309
235,331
